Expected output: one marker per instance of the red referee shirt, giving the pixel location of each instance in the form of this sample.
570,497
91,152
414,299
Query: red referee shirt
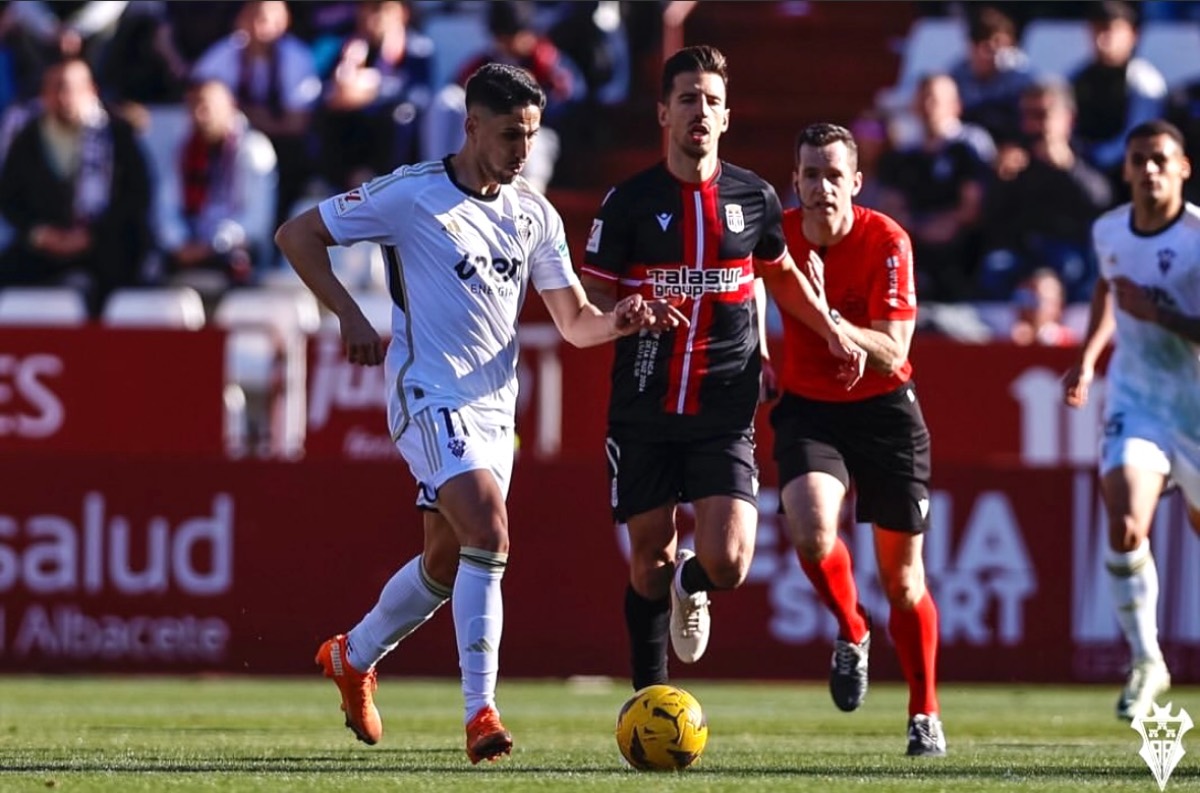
868,277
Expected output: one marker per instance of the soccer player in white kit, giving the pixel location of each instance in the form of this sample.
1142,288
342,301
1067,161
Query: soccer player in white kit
1148,297
462,240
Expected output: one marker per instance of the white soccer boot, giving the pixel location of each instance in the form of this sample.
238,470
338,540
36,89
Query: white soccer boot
690,620
1148,680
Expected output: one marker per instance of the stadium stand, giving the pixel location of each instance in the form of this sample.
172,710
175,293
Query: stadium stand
1057,46
42,306
266,358
1173,47
168,307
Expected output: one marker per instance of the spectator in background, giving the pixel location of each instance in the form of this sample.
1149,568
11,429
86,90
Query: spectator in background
990,79
217,211
194,27
1039,301
1183,110
1039,210
375,97
935,189
592,35
274,78
76,190
1115,91
870,132
514,42
44,33
939,111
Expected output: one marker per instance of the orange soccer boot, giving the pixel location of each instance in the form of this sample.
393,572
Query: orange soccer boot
357,690
486,737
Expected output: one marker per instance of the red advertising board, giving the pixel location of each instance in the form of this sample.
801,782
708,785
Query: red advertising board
985,404
245,567
560,413
105,391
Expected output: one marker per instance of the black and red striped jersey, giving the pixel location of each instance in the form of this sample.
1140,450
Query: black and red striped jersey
695,244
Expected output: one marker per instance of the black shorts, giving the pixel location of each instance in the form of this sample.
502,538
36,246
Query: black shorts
880,443
647,472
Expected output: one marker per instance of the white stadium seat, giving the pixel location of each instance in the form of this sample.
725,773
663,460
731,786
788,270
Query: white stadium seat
933,44
1174,48
456,37
266,357
42,306
168,307
1057,46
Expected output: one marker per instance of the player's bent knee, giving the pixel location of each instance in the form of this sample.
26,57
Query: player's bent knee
904,590
728,573
1125,534
650,578
815,546
490,537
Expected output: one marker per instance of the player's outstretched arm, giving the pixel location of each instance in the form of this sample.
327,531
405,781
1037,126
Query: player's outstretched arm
1099,331
305,240
584,325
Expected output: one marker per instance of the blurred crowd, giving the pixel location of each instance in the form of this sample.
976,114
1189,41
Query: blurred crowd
997,168
162,143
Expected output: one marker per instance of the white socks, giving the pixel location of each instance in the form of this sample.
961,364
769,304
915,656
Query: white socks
478,622
1133,580
408,599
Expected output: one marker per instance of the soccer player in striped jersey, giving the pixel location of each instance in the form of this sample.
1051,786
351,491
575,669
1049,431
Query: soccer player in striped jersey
463,239
697,231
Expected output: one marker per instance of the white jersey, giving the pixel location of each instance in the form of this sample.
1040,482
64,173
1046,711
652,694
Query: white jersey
458,265
1152,368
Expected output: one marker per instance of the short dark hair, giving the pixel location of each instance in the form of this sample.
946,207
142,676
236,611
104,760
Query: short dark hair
823,134
1158,126
990,21
502,89
1108,11
702,58
1053,87
508,17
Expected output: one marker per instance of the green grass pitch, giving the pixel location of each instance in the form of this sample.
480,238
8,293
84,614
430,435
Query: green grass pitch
255,734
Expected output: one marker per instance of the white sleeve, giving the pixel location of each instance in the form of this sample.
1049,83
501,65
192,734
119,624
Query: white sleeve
550,257
366,213
1101,245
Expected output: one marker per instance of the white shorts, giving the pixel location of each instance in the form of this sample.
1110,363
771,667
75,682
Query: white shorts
1136,439
440,443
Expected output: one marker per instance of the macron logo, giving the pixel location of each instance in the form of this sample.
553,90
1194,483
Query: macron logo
664,220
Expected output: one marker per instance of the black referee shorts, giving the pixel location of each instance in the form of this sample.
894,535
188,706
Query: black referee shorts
880,443
647,471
